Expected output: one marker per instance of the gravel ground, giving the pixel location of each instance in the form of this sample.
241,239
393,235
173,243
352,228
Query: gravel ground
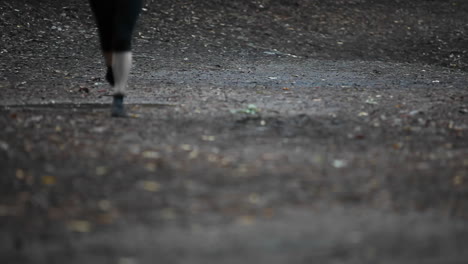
260,132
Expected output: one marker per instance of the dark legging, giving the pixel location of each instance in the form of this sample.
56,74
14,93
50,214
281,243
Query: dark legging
116,20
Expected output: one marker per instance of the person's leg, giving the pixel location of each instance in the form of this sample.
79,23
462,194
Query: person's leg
121,66
126,15
103,11
108,61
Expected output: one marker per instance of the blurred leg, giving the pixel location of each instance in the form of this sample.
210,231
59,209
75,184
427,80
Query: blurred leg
103,11
116,20
121,65
126,15
109,74
125,18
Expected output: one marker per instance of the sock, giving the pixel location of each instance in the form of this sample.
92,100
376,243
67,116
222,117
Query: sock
121,65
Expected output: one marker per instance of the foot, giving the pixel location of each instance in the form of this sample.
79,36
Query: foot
110,76
117,108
